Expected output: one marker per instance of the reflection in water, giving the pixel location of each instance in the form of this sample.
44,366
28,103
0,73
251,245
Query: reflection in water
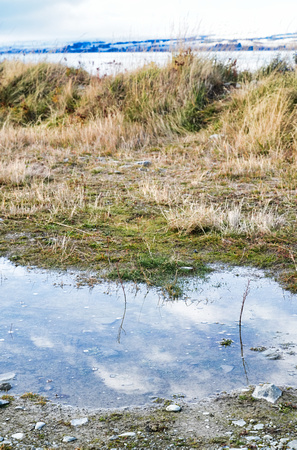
245,294
74,337
125,308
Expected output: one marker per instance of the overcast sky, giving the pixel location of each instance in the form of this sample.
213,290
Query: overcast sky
23,20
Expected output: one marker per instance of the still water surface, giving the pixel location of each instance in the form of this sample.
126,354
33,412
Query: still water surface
63,342
112,63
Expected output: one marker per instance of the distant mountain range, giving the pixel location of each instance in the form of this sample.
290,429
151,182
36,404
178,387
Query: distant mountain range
277,42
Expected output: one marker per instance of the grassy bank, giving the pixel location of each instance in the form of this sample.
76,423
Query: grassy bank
143,174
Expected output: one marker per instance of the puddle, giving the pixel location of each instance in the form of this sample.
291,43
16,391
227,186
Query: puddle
62,342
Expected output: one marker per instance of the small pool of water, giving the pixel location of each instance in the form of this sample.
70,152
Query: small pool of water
67,343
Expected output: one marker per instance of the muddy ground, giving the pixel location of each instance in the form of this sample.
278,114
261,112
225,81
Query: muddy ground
207,424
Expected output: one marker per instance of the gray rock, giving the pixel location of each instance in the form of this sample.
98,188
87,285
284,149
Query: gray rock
18,436
69,439
1,438
6,376
79,422
267,392
39,425
173,408
292,444
4,402
5,387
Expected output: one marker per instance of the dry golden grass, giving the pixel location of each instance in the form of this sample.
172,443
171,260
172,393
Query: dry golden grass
228,219
262,120
66,174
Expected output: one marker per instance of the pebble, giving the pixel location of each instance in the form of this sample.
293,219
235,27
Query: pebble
1,438
4,402
69,439
239,423
173,408
267,437
79,422
127,434
39,425
259,426
292,444
252,438
18,436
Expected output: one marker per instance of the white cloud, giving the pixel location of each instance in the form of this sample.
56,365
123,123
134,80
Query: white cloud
74,19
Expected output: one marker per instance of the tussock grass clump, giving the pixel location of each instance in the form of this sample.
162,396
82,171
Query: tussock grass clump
32,93
175,97
261,117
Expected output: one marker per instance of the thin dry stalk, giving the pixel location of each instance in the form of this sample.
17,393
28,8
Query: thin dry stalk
125,306
245,294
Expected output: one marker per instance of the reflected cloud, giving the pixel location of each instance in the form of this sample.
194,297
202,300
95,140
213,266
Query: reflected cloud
42,342
128,380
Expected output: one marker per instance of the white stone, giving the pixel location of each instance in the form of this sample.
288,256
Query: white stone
252,438
79,422
268,392
259,426
39,425
69,439
18,436
173,408
127,434
239,423
6,376
1,438
292,444
267,437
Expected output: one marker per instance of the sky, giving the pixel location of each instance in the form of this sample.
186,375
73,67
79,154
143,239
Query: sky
74,20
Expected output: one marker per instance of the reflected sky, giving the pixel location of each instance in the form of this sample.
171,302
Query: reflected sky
62,342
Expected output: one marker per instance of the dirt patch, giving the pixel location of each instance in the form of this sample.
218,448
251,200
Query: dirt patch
235,420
